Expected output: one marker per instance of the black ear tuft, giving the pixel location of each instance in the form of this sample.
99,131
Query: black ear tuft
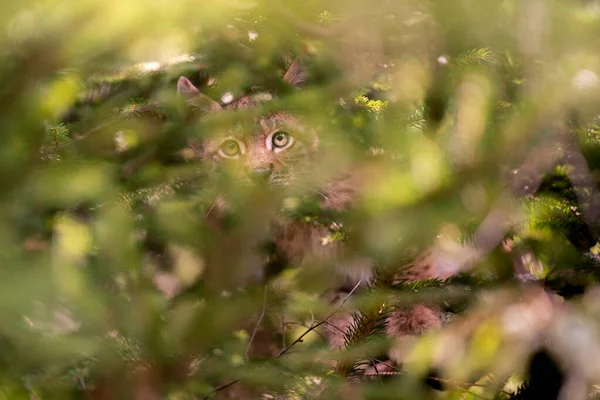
185,87
296,75
198,100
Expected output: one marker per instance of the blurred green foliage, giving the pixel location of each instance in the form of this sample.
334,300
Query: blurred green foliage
474,106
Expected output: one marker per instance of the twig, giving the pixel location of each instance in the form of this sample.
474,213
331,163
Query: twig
298,340
80,136
307,326
262,315
315,326
334,327
226,385
376,370
398,372
283,330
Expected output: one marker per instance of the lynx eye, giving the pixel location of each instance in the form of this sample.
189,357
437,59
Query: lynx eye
230,148
281,140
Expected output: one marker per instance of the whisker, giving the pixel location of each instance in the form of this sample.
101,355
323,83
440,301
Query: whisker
237,183
311,189
300,180
214,204
307,178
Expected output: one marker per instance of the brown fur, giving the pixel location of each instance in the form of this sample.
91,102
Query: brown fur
296,240
404,323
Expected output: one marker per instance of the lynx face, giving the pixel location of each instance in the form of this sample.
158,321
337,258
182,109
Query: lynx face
274,149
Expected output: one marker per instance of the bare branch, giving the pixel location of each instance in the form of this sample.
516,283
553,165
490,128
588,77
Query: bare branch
315,326
262,315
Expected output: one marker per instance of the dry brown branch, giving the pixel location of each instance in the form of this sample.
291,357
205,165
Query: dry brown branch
311,328
315,326
260,318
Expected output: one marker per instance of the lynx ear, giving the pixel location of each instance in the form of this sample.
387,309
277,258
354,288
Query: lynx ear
296,75
186,89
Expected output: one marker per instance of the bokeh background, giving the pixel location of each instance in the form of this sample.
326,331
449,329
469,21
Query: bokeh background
483,114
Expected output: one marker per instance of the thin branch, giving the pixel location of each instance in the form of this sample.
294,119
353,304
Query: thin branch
399,372
307,326
283,330
329,324
226,385
315,326
298,340
376,370
80,136
387,364
262,315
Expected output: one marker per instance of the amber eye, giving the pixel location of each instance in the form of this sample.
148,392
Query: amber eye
280,140
230,148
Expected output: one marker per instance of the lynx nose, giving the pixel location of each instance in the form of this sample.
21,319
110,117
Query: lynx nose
260,174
